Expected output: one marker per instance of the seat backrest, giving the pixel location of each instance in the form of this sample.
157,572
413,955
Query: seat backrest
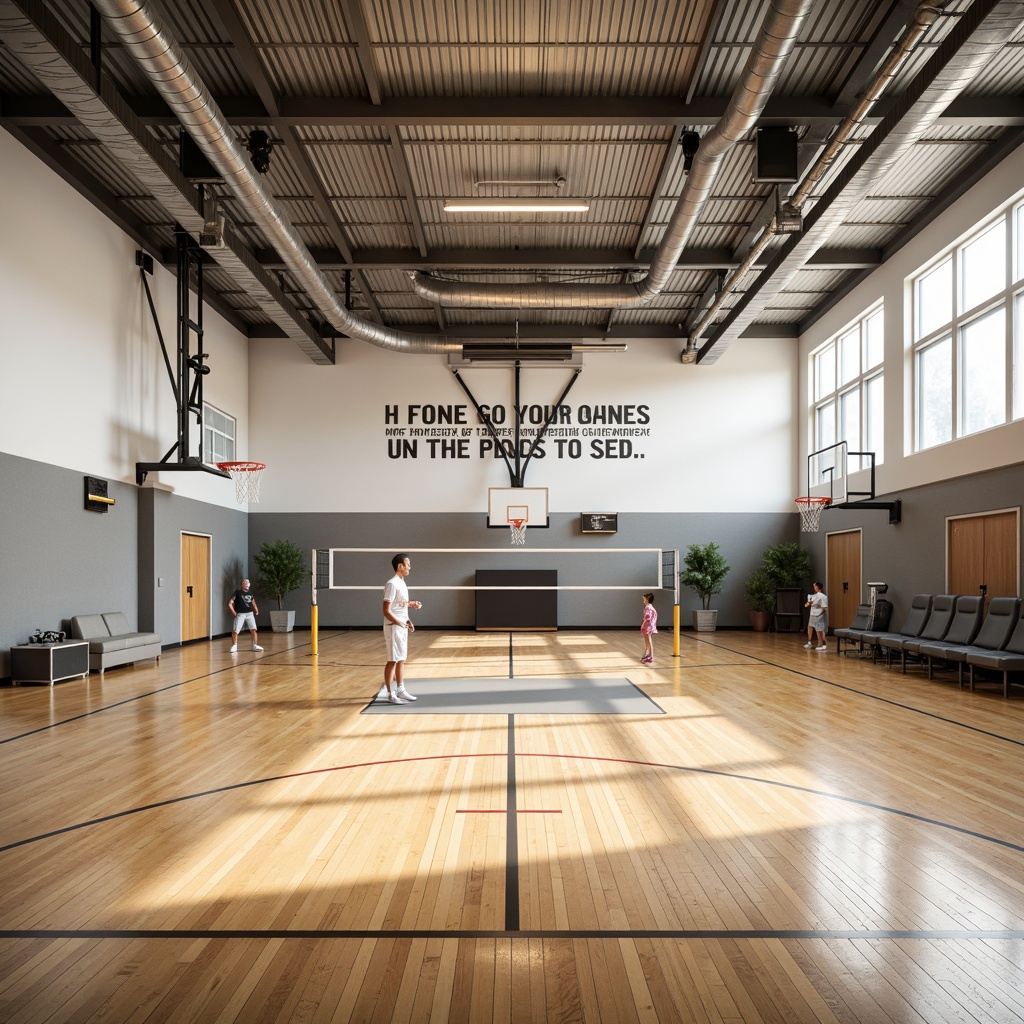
966,620
1015,645
1002,616
943,606
861,618
84,627
916,618
117,623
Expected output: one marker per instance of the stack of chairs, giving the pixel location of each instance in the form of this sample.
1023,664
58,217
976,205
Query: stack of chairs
992,636
939,620
1009,658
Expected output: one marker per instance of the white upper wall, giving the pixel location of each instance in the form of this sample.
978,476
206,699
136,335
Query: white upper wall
84,385
689,438
1000,446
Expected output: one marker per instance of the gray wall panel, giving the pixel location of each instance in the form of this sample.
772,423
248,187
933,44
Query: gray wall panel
911,556
742,537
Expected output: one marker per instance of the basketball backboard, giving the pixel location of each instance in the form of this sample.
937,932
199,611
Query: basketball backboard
827,473
528,504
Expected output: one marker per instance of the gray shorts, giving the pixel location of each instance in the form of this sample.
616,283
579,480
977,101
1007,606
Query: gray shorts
819,622
244,620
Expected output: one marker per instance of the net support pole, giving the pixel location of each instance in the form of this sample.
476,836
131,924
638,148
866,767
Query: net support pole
675,630
314,646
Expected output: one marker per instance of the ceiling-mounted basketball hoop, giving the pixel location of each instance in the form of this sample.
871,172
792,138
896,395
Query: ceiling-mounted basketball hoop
247,477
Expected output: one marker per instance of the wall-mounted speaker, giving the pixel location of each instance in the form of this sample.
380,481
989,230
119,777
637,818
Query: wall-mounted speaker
776,159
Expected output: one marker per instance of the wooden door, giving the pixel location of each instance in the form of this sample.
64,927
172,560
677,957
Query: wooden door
984,551
842,577
195,587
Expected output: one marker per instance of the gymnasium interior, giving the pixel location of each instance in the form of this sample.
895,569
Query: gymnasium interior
550,298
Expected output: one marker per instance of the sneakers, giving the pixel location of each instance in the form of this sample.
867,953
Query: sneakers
808,646
234,649
256,647
646,660
405,694
824,648
393,698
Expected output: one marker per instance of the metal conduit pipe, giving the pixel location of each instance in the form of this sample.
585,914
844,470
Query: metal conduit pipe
774,43
145,37
978,36
924,17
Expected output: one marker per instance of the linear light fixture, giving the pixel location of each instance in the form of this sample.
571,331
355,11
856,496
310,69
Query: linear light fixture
534,205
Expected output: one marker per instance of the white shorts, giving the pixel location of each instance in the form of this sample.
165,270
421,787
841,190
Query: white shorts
244,620
396,641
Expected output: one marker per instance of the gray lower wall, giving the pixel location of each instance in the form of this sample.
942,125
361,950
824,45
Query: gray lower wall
742,537
58,560
911,556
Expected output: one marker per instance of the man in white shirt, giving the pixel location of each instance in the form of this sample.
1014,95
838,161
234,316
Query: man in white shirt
397,628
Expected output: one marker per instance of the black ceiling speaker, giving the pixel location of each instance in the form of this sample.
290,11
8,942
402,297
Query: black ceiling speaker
259,147
776,155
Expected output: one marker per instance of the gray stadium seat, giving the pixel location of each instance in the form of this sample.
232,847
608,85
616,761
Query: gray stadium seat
1009,659
941,618
920,609
1003,613
967,619
852,635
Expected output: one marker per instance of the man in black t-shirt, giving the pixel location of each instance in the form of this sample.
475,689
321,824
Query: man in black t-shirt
243,607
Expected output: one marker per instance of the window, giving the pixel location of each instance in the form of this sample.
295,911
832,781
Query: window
849,389
967,315
218,436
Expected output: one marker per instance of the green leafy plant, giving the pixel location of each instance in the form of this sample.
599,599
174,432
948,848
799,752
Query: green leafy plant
704,571
759,590
787,564
280,568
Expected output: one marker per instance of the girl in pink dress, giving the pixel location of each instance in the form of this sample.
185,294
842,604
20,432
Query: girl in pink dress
648,628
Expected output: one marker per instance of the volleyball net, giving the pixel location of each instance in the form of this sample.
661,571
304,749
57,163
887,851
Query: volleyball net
444,569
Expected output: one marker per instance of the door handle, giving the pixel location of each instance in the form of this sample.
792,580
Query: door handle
846,586
189,589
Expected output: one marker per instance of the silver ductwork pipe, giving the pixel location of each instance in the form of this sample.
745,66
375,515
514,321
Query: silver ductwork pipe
925,16
978,36
144,36
773,45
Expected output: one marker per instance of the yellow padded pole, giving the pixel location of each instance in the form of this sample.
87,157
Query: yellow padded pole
312,625
675,630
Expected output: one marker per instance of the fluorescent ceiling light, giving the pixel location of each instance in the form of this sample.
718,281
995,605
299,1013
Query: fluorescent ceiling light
516,205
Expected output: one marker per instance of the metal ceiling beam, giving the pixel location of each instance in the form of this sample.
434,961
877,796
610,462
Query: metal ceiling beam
535,332
609,260
556,111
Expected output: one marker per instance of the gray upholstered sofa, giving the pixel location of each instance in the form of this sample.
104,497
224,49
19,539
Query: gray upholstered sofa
111,640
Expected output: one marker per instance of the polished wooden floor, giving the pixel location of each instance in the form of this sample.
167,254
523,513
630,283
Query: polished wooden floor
800,837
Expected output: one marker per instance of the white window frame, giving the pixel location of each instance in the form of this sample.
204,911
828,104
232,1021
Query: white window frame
842,389
209,457
962,318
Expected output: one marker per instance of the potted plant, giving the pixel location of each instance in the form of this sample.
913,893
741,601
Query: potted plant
759,591
788,564
704,571
280,568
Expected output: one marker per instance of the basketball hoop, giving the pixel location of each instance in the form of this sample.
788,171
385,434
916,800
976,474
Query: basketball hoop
810,512
518,528
247,476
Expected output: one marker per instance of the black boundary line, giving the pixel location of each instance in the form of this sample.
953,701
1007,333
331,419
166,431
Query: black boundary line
511,835
511,669
777,783
530,933
149,693
859,693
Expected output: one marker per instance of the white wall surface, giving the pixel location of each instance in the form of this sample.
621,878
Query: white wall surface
990,449
83,382
720,438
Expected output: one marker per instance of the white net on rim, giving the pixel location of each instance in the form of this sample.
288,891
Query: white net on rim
247,477
810,513
518,529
